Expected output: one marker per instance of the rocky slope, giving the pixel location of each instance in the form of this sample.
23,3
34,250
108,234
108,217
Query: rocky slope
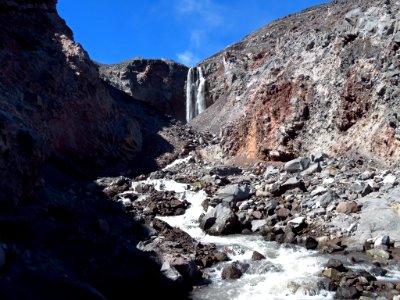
159,82
323,79
61,127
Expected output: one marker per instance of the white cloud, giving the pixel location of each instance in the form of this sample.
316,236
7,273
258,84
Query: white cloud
208,13
197,37
188,58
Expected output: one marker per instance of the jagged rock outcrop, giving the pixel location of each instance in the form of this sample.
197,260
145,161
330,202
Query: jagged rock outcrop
159,82
323,79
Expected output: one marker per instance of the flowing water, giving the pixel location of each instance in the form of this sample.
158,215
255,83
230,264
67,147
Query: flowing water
195,93
289,272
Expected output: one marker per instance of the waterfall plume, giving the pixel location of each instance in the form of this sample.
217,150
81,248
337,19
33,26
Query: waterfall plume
195,93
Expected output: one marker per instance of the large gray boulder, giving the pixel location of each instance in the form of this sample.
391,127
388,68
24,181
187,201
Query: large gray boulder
297,165
233,193
220,220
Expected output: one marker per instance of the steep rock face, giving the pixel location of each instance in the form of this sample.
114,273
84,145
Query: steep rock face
323,79
52,99
59,124
159,82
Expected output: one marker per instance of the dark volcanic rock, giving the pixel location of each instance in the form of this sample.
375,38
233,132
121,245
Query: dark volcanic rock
221,220
59,125
159,82
231,272
347,292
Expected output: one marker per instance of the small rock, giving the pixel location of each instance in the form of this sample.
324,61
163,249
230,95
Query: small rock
311,243
389,179
318,191
382,240
347,207
361,188
347,292
297,222
257,256
314,168
318,157
231,272
282,213
171,273
221,256
257,214
293,183
378,253
336,264
258,224
378,271
328,198
332,274
270,172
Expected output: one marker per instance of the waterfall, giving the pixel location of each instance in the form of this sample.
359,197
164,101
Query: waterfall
195,93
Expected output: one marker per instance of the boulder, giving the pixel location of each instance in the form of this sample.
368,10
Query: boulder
318,157
171,272
297,165
383,240
347,292
233,193
282,213
336,264
347,207
256,225
257,256
231,271
297,222
378,253
312,169
332,274
187,268
311,243
271,206
361,188
292,183
378,271
326,199
220,220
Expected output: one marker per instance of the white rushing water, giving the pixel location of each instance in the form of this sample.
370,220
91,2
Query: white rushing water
195,93
287,273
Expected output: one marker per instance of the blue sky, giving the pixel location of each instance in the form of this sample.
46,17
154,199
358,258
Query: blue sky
187,31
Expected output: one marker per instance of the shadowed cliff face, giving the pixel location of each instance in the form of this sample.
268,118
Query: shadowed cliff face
52,99
324,79
159,82
61,237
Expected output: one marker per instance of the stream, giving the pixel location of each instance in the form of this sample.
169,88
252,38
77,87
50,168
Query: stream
288,272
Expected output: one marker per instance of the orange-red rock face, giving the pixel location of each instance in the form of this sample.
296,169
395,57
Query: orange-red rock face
324,79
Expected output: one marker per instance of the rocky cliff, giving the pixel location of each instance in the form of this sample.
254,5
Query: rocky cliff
323,79
61,237
159,82
52,99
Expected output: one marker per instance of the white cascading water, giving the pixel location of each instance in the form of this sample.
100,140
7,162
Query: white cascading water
287,273
195,93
